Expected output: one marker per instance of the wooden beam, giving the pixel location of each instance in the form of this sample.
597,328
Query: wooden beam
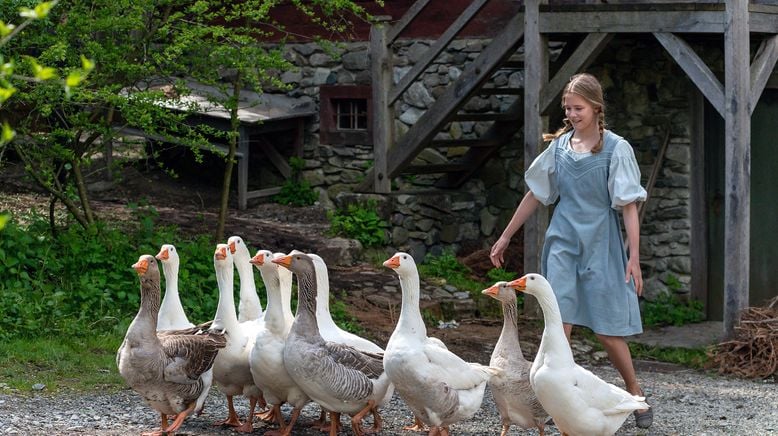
583,55
660,157
762,68
383,110
695,68
276,158
632,22
435,49
406,19
737,155
535,78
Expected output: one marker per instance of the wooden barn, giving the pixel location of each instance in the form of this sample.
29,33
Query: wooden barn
439,107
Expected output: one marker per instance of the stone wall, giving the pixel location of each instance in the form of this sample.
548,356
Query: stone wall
645,91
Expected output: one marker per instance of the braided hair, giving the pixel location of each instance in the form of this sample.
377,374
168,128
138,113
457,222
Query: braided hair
589,88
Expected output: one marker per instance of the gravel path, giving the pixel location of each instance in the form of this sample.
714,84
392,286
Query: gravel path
685,403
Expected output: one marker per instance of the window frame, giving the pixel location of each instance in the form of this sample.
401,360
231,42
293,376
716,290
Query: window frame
329,133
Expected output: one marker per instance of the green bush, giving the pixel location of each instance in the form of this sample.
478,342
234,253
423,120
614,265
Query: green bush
359,221
500,275
668,309
295,191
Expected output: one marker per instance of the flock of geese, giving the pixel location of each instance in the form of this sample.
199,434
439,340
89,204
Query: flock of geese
273,357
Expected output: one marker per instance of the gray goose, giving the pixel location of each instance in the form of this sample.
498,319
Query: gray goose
513,394
165,368
340,378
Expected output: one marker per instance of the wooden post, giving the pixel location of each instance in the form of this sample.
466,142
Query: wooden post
535,79
383,113
737,144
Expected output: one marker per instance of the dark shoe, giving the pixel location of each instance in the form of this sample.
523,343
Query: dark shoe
645,419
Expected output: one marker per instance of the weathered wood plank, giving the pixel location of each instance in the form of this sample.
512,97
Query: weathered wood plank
632,22
762,68
383,115
433,168
583,55
406,19
276,158
764,20
695,68
535,78
435,49
737,154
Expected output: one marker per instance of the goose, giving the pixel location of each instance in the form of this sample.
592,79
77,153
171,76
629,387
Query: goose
231,370
249,307
513,394
436,384
171,313
165,368
340,378
579,402
266,358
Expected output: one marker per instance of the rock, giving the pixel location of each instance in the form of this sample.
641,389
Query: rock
341,251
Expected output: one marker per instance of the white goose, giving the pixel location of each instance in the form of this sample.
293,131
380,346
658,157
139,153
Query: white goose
579,402
171,313
165,368
340,378
266,359
436,384
249,307
231,370
512,391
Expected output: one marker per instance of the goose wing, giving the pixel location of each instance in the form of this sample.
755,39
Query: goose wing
370,364
455,372
602,395
190,355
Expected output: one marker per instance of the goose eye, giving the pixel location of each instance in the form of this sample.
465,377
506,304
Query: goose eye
172,249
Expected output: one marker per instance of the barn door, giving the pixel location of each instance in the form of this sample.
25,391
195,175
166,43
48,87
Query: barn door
764,203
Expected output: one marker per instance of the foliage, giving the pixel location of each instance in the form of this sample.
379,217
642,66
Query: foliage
689,357
669,309
359,221
296,191
342,317
61,362
500,275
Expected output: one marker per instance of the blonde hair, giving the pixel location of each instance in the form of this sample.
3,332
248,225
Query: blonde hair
589,88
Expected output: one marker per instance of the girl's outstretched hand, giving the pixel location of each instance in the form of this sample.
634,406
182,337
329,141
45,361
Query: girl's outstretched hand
633,271
498,250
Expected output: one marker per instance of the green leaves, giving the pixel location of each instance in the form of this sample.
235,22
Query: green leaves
40,11
360,222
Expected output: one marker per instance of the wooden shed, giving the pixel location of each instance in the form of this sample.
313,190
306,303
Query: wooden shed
732,248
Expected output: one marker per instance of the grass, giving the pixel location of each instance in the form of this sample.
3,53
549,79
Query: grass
60,363
689,357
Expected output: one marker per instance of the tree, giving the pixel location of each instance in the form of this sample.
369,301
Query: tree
136,45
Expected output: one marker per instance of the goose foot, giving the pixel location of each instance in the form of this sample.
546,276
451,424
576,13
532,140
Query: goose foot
248,425
232,418
180,419
356,420
270,415
438,431
418,426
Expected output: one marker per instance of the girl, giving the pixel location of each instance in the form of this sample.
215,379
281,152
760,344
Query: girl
593,173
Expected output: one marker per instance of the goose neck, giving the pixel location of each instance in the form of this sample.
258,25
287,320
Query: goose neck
249,300
410,320
225,310
274,314
145,323
553,341
171,302
509,337
305,319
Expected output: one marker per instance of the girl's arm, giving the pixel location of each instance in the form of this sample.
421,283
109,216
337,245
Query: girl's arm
526,207
632,226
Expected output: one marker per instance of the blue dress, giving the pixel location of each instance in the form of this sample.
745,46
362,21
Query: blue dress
583,255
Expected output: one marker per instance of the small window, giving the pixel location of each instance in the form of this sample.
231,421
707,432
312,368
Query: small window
350,113
345,115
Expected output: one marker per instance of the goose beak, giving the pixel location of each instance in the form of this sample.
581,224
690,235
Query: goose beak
258,259
519,284
141,266
232,247
393,263
221,253
163,254
491,291
285,261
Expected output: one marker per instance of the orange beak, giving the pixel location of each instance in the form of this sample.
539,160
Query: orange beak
285,261
221,253
393,263
232,247
519,284
163,254
141,266
491,291
258,259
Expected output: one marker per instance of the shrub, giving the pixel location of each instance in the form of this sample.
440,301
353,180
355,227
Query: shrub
669,309
359,221
295,191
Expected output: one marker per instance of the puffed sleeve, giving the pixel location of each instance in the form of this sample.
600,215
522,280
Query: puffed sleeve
540,177
624,179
